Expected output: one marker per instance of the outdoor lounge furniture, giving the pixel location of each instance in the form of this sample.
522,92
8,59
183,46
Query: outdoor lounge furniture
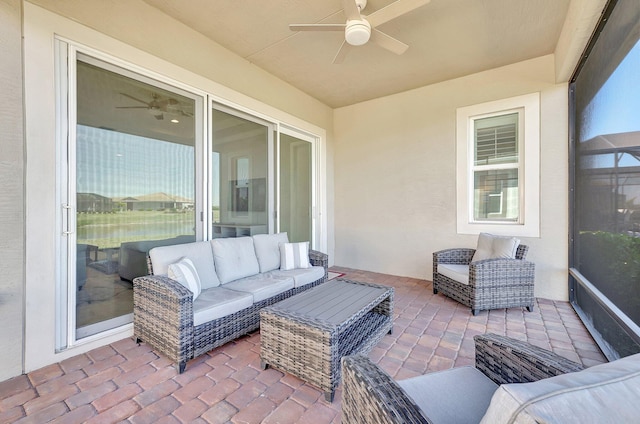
308,334
493,276
512,382
231,280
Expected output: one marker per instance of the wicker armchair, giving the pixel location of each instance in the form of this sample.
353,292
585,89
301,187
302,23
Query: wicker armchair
493,283
370,395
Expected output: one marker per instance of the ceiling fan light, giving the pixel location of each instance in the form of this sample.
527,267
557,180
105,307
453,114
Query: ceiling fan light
357,32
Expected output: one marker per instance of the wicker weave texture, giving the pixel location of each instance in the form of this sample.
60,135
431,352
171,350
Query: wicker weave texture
371,396
311,348
506,360
493,283
163,316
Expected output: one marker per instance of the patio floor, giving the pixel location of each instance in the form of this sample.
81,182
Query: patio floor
124,382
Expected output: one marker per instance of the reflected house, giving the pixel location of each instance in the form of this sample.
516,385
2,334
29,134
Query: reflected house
155,201
92,202
611,182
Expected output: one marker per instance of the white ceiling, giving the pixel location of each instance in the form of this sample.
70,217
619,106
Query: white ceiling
447,39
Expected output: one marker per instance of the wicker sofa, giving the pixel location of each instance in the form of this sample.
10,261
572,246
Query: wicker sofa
557,390
238,277
492,283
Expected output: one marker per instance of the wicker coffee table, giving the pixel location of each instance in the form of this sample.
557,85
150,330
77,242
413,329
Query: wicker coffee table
307,334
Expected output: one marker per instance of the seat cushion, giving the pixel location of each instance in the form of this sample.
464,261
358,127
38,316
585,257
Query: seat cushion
218,302
268,250
302,277
459,273
603,393
261,286
458,395
198,252
235,258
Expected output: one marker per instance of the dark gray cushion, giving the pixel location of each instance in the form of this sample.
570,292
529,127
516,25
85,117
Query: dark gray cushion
459,395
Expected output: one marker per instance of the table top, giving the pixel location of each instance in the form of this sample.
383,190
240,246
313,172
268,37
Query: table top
332,303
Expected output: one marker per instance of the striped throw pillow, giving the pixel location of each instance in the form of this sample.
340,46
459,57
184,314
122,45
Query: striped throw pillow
294,256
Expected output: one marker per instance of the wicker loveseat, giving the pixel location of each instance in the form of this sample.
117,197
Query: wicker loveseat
503,281
512,382
237,277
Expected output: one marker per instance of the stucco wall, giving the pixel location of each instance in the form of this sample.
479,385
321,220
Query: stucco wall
11,187
395,174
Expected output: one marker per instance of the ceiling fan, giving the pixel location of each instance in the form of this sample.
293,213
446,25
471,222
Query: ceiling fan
157,106
359,29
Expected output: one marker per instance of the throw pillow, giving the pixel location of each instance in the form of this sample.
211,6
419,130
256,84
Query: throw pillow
185,273
495,247
294,255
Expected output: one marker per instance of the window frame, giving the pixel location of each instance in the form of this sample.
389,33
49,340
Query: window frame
528,223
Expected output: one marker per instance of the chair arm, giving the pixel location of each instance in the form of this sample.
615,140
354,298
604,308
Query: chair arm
506,360
370,395
163,315
317,258
459,256
496,272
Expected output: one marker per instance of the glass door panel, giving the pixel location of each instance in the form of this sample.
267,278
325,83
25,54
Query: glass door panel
239,175
295,188
135,185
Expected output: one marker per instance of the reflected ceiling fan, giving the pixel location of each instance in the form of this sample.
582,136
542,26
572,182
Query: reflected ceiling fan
157,106
359,29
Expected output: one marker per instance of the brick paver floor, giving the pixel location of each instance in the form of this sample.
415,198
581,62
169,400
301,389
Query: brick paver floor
124,382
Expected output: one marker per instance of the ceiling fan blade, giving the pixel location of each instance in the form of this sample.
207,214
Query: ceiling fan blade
395,9
342,53
132,107
387,42
133,98
317,27
351,9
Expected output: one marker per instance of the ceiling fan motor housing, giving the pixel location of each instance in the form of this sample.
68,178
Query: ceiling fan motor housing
357,32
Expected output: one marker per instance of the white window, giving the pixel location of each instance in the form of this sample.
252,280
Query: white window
498,155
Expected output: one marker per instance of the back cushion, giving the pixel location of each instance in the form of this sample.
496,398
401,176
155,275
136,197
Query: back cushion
603,393
495,247
199,253
234,258
268,250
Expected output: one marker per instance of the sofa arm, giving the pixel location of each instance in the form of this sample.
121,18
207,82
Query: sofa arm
163,316
317,258
370,395
506,360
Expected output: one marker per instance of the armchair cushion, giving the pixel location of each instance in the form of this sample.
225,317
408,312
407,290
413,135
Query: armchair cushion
438,394
603,393
459,273
495,247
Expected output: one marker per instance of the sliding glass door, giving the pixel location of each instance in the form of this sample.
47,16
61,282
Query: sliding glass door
295,186
132,186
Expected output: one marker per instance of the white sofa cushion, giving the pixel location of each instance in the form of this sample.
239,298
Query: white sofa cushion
495,247
603,393
268,250
457,395
261,286
302,277
235,258
294,255
218,302
459,273
200,254
185,273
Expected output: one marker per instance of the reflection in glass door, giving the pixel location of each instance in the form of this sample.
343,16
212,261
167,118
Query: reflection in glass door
239,173
295,188
135,185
